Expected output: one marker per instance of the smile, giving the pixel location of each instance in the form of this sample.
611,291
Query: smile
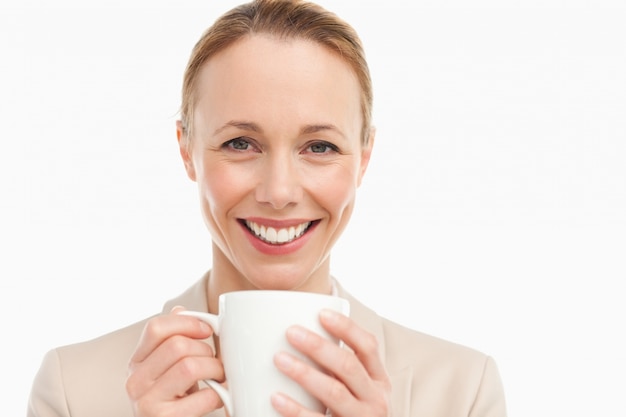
277,236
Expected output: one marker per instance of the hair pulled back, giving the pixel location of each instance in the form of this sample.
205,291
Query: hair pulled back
285,19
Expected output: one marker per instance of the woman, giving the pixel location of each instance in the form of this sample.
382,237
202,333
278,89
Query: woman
276,131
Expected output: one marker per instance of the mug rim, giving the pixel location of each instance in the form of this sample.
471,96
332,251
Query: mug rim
289,293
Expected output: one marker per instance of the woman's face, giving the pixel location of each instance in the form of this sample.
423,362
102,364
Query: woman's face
277,156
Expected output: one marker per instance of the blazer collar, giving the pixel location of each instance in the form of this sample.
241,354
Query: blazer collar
194,298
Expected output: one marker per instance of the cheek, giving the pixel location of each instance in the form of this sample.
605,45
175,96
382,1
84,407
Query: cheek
222,186
335,188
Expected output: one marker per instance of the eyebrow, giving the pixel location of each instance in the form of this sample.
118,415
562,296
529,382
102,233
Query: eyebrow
308,129
239,124
253,127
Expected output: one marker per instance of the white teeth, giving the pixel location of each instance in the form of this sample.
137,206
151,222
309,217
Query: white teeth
283,235
271,234
279,236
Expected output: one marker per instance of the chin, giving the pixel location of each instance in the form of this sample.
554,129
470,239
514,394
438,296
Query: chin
277,278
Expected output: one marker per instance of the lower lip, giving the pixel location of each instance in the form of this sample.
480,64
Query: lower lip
276,250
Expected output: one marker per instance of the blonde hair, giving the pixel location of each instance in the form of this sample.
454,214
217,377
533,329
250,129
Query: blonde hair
285,19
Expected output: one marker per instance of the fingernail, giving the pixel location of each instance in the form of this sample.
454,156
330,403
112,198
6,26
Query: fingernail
283,361
296,333
279,401
329,316
205,327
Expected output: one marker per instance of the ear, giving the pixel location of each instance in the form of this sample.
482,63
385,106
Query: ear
184,146
366,153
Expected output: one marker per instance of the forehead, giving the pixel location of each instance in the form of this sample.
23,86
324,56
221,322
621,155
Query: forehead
295,78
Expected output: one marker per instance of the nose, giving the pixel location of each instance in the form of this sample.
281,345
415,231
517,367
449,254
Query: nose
279,183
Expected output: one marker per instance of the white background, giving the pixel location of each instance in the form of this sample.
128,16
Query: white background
493,213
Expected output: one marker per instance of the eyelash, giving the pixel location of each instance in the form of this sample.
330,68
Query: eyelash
241,140
249,143
329,146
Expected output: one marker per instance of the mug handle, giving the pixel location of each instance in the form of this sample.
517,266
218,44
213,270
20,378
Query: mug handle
213,321
222,393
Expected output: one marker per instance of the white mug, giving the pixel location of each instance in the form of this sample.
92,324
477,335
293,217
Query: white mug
251,326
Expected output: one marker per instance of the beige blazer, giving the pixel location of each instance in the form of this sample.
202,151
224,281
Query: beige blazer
430,377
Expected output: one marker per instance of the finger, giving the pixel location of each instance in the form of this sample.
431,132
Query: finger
330,391
162,327
290,408
341,363
363,343
185,374
143,374
197,404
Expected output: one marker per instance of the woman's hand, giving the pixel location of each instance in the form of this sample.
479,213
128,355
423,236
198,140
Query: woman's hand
358,384
169,360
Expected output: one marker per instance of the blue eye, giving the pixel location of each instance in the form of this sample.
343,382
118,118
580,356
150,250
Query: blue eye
239,144
322,147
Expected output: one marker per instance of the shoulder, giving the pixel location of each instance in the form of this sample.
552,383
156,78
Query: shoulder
430,375
73,377
109,347
405,346
402,346
443,378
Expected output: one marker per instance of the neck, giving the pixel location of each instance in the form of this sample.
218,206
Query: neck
225,277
